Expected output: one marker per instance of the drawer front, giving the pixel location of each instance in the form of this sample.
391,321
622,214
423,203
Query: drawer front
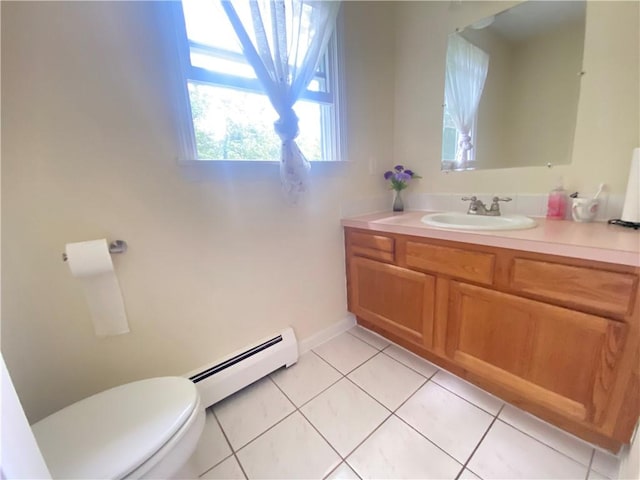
372,246
464,264
600,290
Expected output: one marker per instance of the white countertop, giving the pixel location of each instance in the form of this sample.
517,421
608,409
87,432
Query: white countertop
592,241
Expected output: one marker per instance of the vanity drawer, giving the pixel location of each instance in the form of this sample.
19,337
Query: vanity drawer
464,264
372,246
582,287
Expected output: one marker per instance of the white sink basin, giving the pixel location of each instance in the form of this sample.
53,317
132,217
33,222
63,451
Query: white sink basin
462,221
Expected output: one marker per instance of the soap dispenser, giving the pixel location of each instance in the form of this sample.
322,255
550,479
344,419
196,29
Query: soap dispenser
557,202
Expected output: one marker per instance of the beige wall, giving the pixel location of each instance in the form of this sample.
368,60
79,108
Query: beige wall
89,151
608,125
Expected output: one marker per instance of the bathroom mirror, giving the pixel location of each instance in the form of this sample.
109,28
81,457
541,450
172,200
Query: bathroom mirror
522,68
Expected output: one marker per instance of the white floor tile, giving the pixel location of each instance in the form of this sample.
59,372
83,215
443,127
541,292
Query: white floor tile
606,463
412,361
343,472
397,451
248,413
387,380
593,475
470,392
468,475
345,415
304,380
507,453
212,447
373,339
345,352
453,424
291,449
227,470
555,438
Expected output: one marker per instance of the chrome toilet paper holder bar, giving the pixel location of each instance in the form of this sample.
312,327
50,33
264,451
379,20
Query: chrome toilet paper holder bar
117,246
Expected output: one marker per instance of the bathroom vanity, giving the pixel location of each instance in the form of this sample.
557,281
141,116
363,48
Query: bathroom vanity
547,319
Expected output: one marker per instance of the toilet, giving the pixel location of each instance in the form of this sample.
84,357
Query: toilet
145,429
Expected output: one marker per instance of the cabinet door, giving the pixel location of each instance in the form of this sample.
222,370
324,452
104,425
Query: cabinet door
552,356
398,300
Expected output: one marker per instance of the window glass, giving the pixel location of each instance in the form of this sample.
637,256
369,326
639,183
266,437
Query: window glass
232,118
232,124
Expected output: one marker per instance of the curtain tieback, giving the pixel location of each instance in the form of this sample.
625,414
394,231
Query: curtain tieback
465,142
287,126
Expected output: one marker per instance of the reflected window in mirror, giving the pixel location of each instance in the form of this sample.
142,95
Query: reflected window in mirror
528,106
451,143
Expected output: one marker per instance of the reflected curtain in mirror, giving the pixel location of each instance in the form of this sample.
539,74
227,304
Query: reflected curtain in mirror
466,72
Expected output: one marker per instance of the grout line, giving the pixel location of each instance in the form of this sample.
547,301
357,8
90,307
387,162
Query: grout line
367,438
370,396
354,368
378,352
378,401
362,339
353,470
466,399
343,376
233,452
317,394
426,438
593,454
570,436
473,452
543,442
311,423
218,463
392,413
410,367
410,396
321,358
268,429
324,438
344,462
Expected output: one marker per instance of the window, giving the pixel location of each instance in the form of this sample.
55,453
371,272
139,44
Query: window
450,143
231,117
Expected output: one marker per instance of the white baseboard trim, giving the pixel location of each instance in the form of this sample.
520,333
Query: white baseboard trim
326,334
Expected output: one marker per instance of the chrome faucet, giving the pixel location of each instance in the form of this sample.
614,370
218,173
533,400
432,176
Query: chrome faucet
477,207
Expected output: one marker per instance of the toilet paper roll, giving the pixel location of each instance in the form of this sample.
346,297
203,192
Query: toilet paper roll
631,209
90,262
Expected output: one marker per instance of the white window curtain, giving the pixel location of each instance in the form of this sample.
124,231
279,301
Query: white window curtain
284,40
466,72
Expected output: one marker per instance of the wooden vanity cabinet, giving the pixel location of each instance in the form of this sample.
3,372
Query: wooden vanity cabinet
557,336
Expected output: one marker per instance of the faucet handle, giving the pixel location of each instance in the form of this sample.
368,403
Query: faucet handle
470,199
498,199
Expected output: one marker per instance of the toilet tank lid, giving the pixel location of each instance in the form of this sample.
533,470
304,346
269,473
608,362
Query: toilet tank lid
110,434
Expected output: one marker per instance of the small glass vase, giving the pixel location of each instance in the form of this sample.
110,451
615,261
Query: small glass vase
398,204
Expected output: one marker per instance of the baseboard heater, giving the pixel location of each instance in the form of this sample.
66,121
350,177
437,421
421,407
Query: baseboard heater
241,368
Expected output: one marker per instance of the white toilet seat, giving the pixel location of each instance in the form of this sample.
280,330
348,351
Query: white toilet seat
173,454
131,431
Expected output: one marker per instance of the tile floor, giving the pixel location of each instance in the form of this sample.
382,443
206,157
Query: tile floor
358,406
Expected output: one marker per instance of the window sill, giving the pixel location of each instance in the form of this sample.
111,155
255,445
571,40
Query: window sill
207,170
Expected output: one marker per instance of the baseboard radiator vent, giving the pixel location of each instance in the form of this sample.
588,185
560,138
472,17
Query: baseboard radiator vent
241,368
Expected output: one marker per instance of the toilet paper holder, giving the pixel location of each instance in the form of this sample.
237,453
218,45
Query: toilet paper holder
117,246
